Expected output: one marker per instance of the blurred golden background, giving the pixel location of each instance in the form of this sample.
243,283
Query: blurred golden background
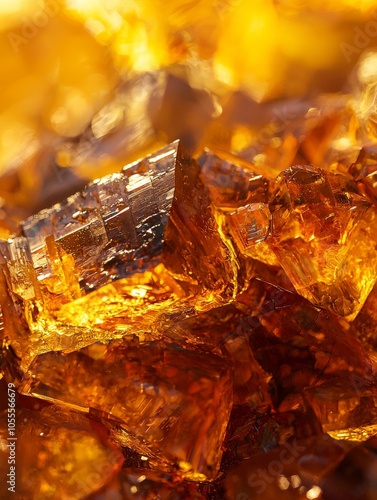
87,86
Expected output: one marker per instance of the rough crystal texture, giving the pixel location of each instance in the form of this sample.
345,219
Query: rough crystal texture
253,431
119,228
168,402
233,183
159,302
364,171
364,327
240,193
222,330
106,232
301,346
193,249
56,454
322,234
196,264
345,407
249,227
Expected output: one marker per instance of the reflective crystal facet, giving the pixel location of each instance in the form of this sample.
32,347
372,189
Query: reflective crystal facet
322,234
167,402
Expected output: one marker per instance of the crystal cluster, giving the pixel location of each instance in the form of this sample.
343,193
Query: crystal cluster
206,318
200,323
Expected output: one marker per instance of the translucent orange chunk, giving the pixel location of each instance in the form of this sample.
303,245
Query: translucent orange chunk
55,454
323,236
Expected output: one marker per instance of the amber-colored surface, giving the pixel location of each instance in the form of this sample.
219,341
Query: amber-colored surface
188,248
345,407
290,471
364,170
174,327
169,403
323,235
46,460
317,468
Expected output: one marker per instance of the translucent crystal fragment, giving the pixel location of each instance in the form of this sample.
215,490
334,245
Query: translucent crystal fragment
221,330
55,454
121,224
240,193
346,407
232,182
167,402
322,234
193,248
15,254
364,326
252,431
249,224
120,227
301,346
249,227
364,171
134,305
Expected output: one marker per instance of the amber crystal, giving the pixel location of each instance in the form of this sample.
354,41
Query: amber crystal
364,327
364,170
239,194
188,270
145,484
322,235
109,225
253,431
188,307
318,468
118,227
222,330
354,477
57,454
346,407
167,402
301,346
233,182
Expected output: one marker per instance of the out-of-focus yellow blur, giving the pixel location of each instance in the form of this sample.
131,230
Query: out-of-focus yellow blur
90,84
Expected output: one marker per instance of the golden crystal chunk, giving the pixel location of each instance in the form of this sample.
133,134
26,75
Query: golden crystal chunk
119,228
322,235
56,454
169,403
346,407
